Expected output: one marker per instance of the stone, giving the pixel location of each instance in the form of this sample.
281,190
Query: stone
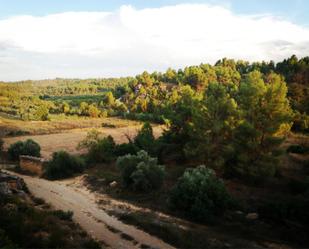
252,216
113,184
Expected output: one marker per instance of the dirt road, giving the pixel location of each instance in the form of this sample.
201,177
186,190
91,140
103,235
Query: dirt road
63,195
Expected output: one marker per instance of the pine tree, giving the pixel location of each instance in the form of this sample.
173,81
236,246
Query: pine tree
212,126
266,119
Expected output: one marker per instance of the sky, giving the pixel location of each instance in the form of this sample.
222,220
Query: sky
42,39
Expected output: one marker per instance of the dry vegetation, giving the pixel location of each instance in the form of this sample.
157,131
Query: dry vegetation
29,222
66,134
11,127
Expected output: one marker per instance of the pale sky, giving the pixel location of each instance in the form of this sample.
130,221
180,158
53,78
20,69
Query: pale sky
91,38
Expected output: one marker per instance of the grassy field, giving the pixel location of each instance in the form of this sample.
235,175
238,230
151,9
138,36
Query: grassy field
58,124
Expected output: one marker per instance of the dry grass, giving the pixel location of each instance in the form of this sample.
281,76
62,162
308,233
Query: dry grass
69,140
59,125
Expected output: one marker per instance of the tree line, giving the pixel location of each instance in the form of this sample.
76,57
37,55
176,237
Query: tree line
148,96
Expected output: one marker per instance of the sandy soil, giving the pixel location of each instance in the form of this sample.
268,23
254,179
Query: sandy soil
68,141
63,195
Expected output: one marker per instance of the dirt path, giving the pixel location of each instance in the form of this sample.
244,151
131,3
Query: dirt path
92,219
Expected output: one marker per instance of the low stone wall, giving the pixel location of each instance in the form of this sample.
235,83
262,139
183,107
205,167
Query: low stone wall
32,164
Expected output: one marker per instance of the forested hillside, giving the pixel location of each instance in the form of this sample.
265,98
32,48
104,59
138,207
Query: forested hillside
153,96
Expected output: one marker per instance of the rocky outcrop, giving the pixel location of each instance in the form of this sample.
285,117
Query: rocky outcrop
10,184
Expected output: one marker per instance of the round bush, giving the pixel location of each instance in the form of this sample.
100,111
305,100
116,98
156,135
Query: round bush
141,172
29,148
200,194
15,150
297,149
63,165
103,150
125,148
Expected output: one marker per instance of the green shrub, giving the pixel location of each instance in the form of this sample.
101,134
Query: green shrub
200,194
108,125
145,139
246,158
145,117
63,215
91,244
24,226
63,165
103,150
301,123
295,209
15,150
17,133
298,149
99,149
141,172
169,147
38,201
125,148
91,139
29,148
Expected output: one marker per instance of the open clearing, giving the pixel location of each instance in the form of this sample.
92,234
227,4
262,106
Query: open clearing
10,126
69,140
